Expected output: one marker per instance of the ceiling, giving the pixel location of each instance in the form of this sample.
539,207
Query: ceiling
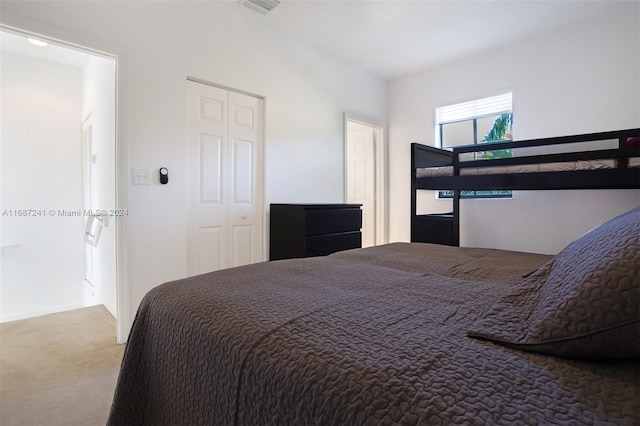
392,38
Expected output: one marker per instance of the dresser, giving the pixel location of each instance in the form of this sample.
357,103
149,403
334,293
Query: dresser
305,230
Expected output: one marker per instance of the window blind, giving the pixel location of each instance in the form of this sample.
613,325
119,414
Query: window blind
482,107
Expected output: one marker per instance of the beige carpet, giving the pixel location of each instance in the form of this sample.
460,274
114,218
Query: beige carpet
59,369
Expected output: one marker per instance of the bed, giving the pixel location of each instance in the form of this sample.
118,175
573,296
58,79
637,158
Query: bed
604,160
403,333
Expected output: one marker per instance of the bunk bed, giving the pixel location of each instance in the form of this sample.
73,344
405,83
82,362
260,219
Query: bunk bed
604,160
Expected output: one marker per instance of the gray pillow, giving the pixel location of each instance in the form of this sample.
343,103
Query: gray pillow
583,304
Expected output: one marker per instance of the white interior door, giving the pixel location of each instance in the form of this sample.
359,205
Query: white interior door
224,184
361,177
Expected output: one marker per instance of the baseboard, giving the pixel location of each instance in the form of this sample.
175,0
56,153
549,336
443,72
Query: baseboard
39,312
112,309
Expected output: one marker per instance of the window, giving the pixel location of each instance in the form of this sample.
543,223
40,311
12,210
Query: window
474,122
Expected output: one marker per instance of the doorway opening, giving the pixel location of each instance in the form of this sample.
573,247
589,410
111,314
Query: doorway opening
59,172
365,176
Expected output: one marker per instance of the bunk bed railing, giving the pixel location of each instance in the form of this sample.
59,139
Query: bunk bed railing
423,156
619,176
620,135
622,153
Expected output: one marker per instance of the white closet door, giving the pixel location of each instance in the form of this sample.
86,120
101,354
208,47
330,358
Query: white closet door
224,178
245,179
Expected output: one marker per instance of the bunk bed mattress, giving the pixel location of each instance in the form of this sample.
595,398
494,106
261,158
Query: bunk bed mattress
366,336
524,168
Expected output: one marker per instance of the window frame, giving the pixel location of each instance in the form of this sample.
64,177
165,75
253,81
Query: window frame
473,194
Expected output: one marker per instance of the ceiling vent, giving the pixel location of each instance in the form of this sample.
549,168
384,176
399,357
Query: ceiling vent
262,6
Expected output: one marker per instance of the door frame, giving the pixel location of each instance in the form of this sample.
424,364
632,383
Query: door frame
123,316
381,170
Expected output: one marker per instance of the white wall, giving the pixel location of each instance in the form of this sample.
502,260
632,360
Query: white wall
98,102
159,44
41,169
579,80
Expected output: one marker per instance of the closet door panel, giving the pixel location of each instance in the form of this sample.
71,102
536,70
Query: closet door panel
206,178
245,165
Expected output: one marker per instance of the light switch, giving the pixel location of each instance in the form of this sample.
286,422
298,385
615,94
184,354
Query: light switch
141,177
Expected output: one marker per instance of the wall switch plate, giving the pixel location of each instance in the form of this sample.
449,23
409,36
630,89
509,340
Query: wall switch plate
141,176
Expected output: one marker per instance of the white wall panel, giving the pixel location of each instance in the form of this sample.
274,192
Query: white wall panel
243,171
243,116
212,109
211,240
242,238
210,169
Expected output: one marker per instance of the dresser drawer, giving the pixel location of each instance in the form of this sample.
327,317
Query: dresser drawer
302,230
332,221
323,245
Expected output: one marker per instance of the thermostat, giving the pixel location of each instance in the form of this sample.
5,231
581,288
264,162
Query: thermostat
164,175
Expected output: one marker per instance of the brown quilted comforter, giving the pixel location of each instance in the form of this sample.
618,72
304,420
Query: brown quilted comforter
367,336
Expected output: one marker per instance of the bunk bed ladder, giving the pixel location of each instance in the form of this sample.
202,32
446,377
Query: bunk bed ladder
455,237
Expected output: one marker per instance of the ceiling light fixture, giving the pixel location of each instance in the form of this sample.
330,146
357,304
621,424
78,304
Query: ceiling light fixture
36,42
261,6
